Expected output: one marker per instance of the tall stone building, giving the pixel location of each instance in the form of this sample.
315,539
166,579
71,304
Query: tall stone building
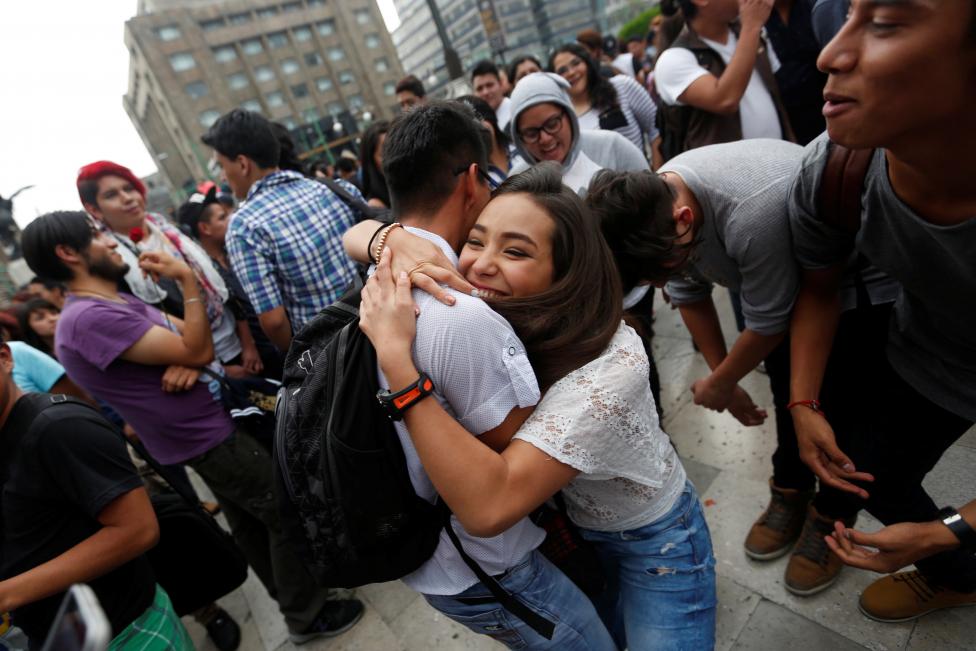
522,27
323,68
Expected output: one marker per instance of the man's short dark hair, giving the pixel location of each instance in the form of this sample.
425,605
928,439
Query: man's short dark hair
411,84
485,67
48,283
346,164
426,149
71,228
244,133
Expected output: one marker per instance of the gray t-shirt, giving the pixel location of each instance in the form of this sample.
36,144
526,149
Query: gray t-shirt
932,338
744,243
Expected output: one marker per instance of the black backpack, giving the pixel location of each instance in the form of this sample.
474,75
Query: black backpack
344,491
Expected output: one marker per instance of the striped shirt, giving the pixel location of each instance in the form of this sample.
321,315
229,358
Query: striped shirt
636,105
285,245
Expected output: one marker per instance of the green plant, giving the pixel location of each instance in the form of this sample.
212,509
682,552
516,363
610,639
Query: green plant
637,26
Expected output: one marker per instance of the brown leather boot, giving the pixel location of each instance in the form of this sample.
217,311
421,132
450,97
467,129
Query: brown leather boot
773,533
813,567
906,596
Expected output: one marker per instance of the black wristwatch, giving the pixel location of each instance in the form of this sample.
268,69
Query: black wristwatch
959,527
396,404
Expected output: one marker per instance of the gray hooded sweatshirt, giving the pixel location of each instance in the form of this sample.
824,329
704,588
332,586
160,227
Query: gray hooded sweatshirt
590,151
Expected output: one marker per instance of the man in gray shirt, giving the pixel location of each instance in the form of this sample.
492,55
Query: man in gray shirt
717,215
910,97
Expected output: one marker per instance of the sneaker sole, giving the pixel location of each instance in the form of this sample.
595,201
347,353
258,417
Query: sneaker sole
303,639
769,556
809,592
906,619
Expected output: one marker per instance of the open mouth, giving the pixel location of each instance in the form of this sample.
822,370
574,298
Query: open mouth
835,104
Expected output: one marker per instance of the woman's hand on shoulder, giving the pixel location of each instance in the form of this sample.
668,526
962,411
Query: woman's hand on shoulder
387,313
426,266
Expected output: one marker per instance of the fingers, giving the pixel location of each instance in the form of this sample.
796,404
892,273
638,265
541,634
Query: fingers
403,293
450,277
820,465
429,285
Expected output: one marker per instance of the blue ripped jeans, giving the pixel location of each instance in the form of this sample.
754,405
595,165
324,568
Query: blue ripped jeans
542,587
660,581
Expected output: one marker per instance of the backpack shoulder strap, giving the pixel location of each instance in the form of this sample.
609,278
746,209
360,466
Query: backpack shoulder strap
365,210
841,187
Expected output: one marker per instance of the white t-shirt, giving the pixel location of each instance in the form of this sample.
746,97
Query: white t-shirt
625,64
678,67
504,113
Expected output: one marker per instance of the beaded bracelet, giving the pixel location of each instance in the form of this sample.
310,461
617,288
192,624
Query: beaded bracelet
369,247
381,242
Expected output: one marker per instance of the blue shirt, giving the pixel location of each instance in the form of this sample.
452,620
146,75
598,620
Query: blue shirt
285,245
34,371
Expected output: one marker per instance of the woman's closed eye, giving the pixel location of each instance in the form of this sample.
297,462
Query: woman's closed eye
517,253
474,242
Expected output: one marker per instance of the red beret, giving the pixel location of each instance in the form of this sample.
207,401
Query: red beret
98,169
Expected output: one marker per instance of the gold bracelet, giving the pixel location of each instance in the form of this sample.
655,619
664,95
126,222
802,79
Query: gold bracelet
381,241
192,300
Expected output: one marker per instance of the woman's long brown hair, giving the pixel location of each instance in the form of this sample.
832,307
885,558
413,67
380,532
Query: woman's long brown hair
571,323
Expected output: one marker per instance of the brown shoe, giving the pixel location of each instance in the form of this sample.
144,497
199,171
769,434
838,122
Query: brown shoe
906,596
813,567
773,533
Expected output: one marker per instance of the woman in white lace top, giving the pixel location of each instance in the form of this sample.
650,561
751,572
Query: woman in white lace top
541,262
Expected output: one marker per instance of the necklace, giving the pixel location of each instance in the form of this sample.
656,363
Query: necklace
114,299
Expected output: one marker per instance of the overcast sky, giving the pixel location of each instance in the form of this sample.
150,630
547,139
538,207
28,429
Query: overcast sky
63,72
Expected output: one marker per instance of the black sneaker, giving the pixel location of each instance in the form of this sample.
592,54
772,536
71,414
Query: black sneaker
224,631
335,618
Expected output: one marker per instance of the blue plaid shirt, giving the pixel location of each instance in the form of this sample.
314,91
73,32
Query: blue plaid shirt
285,245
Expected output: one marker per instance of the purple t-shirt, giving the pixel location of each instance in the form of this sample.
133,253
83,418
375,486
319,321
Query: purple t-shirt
92,334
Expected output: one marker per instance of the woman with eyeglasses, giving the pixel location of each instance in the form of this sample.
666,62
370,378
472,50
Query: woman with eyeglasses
544,127
618,103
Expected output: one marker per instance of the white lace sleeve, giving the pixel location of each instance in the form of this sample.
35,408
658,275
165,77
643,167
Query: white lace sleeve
601,419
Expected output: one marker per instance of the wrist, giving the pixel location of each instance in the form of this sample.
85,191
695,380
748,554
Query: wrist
938,537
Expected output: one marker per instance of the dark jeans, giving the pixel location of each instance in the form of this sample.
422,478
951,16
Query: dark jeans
238,471
890,430
788,470
641,318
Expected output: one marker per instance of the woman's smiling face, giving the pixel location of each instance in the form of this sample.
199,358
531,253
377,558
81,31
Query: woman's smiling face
509,250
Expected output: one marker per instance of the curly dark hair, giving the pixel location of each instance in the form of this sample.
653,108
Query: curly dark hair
602,93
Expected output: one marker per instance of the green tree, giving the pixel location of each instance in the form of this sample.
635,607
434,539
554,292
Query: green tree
637,26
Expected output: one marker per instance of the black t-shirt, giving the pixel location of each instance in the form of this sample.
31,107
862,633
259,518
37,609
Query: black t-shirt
61,476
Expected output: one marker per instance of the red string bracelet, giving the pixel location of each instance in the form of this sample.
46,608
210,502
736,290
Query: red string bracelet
812,404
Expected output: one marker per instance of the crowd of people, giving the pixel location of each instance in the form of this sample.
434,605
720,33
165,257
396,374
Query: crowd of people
808,157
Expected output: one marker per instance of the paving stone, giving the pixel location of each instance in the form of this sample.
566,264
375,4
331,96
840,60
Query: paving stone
421,628
774,628
389,599
969,438
738,501
953,480
735,606
701,474
946,630
371,633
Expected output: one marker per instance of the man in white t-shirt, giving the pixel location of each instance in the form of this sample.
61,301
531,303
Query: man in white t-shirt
726,79
487,83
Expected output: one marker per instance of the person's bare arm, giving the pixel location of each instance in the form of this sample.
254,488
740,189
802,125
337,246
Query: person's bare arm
897,545
724,93
163,347
276,325
250,358
812,328
129,528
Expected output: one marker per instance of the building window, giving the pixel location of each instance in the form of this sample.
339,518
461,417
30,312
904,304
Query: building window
252,46
372,41
313,59
316,3
251,105
291,6
208,117
168,33
310,115
225,53
274,99
336,54
290,66
335,108
210,25
299,91
264,73
289,122
323,84
355,102
196,89
389,88
302,34
381,65
239,19
267,12
326,27
182,61
277,40
346,77
237,81
362,16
